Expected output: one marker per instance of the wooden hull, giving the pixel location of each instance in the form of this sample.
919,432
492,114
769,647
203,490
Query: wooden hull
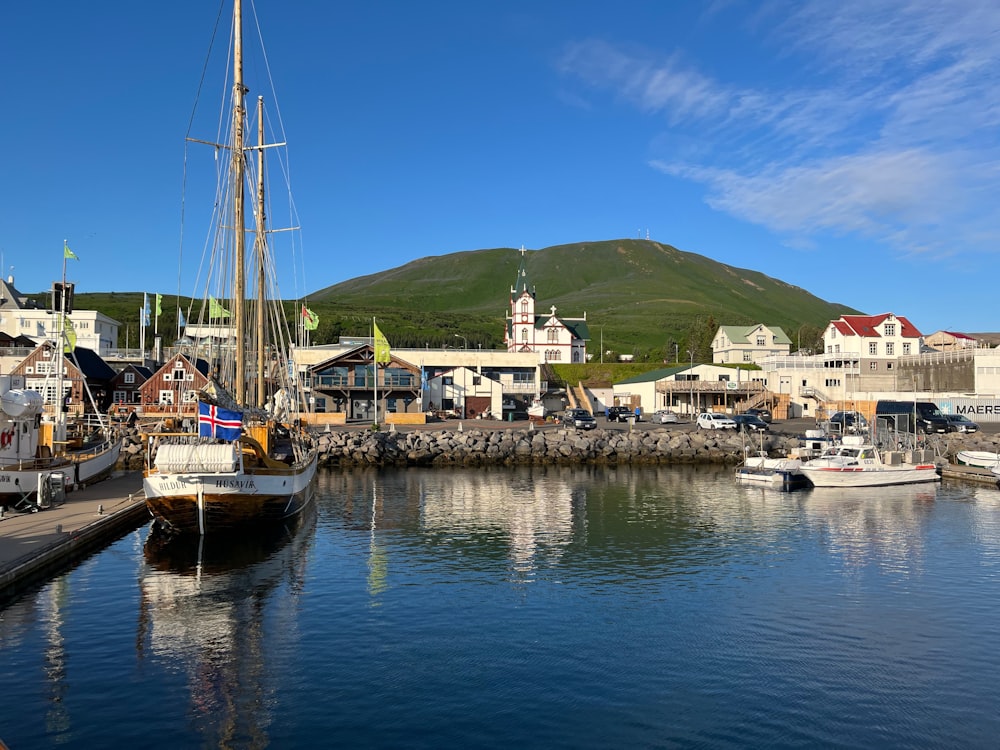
214,502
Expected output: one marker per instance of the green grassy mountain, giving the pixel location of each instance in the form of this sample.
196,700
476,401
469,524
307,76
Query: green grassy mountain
643,294
640,297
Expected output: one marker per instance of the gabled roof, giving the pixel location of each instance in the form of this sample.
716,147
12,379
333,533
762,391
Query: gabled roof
653,375
866,325
199,364
91,364
11,299
957,335
742,334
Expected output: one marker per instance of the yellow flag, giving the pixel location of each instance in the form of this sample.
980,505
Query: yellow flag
69,335
382,356
215,309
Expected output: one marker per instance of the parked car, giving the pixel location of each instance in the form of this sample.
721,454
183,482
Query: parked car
750,423
763,414
961,423
848,422
911,416
712,421
581,419
664,416
621,413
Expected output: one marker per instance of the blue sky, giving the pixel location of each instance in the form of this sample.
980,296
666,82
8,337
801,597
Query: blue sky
850,148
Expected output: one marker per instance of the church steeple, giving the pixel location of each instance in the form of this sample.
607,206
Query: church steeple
522,285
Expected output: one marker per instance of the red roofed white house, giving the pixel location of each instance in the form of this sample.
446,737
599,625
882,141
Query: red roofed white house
872,337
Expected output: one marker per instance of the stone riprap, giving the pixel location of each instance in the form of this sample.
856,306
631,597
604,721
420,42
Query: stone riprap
557,445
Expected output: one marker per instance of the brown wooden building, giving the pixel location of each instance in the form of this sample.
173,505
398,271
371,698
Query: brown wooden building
173,388
346,384
82,369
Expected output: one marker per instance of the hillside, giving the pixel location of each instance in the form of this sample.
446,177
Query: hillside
640,297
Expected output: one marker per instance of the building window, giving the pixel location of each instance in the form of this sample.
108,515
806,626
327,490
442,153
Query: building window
890,329
747,357
129,378
553,335
832,382
524,307
873,348
873,365
524,335
890,349
167,398
906,348
761,341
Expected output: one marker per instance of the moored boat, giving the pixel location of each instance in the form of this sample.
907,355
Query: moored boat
981,459
32,459
856,463
249,463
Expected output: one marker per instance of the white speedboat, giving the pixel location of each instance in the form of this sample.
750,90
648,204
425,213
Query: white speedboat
780,473
982,459
856,463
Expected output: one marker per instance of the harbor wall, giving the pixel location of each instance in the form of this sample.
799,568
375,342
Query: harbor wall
560,445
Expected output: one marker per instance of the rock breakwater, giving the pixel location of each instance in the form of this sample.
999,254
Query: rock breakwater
557,445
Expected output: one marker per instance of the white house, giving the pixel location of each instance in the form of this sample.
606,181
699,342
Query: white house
746,344
689,390
20,316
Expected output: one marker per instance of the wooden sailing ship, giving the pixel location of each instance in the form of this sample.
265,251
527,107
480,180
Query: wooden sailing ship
249,461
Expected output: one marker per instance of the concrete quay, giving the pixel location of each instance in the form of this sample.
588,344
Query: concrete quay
33,545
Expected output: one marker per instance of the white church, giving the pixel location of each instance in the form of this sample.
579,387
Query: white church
553,338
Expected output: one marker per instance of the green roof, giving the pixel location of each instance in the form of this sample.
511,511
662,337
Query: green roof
742,334
654,375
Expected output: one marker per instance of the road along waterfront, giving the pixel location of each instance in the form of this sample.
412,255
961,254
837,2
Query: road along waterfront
541,606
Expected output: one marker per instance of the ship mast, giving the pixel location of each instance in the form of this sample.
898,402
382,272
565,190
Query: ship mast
239,227
261,246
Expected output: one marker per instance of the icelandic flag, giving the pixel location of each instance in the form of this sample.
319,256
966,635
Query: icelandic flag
215,422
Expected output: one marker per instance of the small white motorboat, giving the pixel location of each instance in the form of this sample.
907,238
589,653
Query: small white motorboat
982,459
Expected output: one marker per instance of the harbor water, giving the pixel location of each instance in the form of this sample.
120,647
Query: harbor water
541,607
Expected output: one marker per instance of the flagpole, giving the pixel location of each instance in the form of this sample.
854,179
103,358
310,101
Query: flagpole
59,438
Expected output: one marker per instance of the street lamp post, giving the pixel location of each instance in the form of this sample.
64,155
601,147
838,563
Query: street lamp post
676,354
691,381
465,342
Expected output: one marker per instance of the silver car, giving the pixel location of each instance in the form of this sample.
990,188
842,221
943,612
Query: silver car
664,416
960,423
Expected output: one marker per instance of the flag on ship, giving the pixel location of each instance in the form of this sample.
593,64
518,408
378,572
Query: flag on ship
216,422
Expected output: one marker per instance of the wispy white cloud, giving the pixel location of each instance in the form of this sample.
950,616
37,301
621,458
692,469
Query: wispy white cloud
883,124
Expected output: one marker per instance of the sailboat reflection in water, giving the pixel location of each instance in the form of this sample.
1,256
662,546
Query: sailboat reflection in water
202,606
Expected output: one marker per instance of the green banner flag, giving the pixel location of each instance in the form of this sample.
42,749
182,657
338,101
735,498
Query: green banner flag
382,355
69,335
67,253
216,310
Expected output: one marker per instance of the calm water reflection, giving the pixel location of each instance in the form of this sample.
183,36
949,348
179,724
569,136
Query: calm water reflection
543,607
